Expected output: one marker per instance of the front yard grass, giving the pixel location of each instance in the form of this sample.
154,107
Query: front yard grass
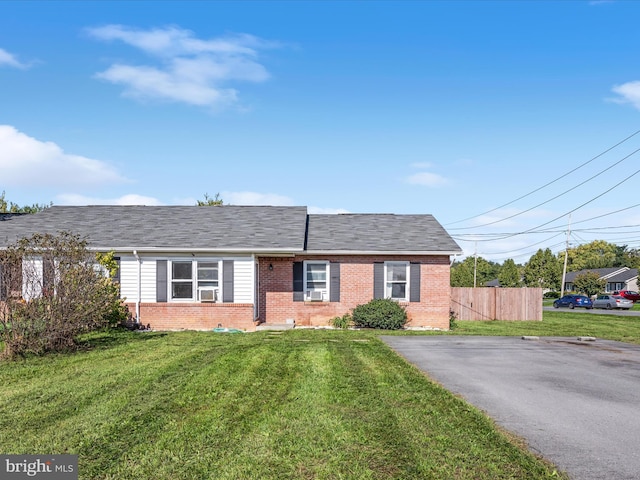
560,323
301,404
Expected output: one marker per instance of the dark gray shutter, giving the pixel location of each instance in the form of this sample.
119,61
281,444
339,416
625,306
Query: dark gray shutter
334,286
414,282
378,280
161,280
116,275
227,281
3,286
298,281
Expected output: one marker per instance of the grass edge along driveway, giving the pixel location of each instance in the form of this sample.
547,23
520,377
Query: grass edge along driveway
302,404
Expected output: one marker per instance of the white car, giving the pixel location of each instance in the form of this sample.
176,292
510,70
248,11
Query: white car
612,301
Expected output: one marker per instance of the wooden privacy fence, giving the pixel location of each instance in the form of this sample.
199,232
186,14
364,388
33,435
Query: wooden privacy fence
496,303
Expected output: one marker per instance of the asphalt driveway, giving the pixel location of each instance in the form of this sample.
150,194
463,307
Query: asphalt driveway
576,403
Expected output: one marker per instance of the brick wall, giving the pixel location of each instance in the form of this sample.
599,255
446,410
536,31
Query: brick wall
276,303
195,316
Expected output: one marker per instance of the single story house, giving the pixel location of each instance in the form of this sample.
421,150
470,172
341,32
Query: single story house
191,267
618,278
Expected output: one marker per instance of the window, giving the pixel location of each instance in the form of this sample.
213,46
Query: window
207,274
316,284
183,273
397,280
181,280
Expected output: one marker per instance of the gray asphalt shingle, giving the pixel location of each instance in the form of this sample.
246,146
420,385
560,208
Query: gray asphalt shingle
257,228
378,233
233,228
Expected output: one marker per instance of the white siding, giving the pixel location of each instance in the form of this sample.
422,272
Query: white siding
243,270
148,279
243,281
129,279
32,277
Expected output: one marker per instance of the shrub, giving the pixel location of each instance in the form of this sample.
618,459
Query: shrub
342,322
551,294
452,320
53,290
380,313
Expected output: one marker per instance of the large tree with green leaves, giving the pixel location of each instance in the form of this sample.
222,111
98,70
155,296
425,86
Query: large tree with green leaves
589,283
10,207
596,254
509,275
462,272
543,270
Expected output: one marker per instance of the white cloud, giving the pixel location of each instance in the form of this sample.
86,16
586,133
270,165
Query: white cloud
188,69
7,59
27,161
130,199
255,198
427,179
629,93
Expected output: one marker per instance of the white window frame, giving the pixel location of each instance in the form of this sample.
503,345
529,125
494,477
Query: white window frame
387,282
195,283
308,289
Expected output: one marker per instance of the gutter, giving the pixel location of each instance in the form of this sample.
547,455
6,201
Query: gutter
135,254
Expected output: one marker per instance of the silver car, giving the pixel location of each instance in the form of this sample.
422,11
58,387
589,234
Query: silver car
612,301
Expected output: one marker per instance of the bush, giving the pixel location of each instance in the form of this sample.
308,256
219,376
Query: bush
381,313
551,295
452,320
342,322
53,290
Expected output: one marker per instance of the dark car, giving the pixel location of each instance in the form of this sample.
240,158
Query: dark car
573,301
628,294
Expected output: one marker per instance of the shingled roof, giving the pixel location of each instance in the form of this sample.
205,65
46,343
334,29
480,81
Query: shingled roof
230,228
222,228
378,233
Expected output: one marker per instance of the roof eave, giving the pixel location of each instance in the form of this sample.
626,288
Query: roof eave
382,252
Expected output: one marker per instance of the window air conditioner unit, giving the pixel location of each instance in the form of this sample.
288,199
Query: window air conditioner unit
208,294
315,295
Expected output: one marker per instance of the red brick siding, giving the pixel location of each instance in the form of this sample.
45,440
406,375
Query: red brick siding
356,287
195,316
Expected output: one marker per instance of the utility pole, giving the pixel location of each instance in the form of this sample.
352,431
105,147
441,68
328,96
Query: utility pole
475,264
566,257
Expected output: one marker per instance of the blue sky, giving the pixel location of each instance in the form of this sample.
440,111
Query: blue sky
448,108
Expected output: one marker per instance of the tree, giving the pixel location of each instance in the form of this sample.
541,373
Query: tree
589,283
597,254
462,272
543,270
53,289
210,202
509,275
10,207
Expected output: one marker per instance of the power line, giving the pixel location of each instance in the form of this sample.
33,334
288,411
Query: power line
547,184
530,230
553,198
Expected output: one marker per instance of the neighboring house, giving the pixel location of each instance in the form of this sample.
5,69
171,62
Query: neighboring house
618,278
237,266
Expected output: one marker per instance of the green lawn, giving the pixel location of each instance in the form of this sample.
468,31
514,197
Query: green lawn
303,404
562,322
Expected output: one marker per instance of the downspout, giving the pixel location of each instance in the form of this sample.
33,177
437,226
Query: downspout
135,254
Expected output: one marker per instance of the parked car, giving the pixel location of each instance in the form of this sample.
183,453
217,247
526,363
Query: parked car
612,301
573,301
628,294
